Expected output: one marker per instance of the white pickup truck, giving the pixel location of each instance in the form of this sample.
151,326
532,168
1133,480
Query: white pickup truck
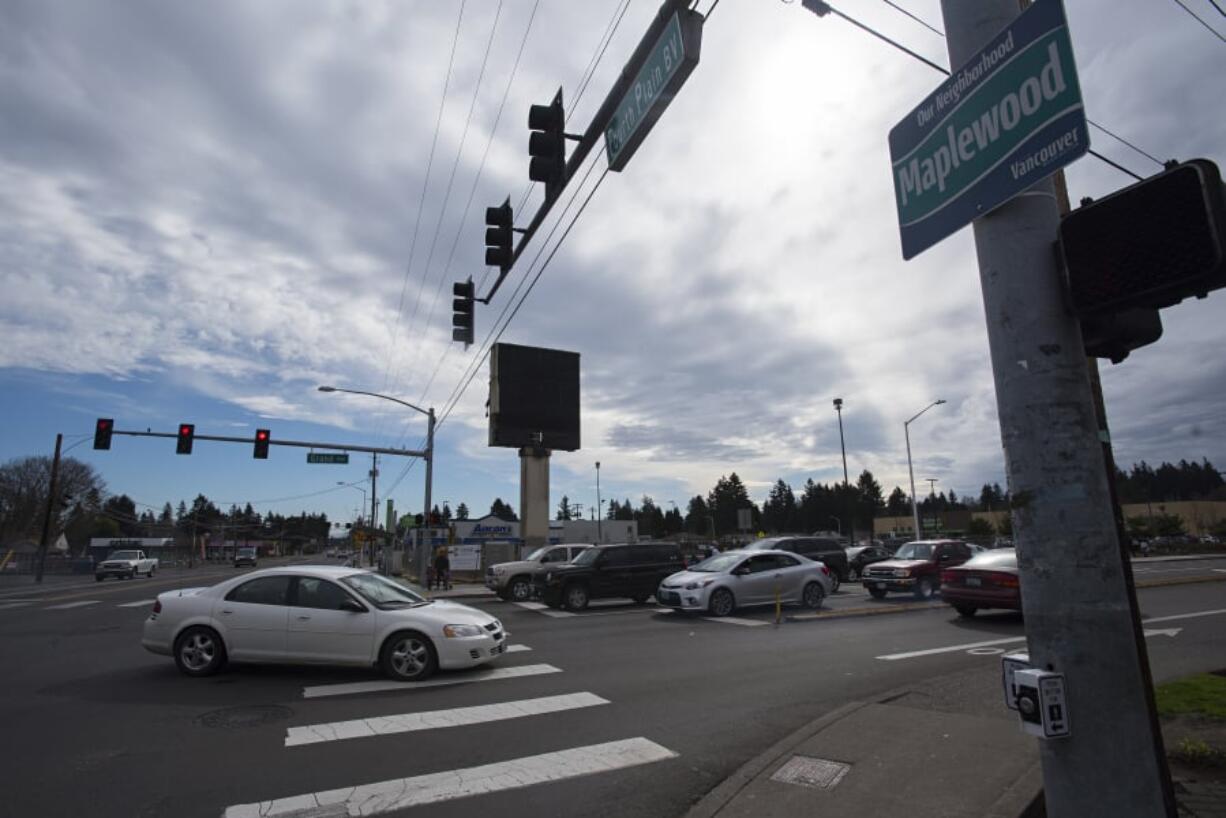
125,565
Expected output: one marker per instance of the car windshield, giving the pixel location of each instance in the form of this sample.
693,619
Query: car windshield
717,563
383,592
537,554
125,555
915,551
586,557
246,552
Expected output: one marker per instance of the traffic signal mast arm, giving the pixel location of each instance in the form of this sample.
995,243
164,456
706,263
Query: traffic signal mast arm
301,444
595,130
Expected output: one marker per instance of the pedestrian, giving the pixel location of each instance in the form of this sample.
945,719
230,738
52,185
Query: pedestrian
442,568
429,577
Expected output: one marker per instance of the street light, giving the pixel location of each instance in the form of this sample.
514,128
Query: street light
599,507
851,520
907,433
429,458
356,487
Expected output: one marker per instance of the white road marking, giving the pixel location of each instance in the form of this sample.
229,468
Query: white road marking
517,648
1176,617
7,605
439,681
402,793
1219,570
1166,632
453,717
733,620
557,614
532,606
952,648
137,604
68,605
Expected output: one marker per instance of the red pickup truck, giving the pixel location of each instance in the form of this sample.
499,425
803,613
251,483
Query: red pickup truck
915,568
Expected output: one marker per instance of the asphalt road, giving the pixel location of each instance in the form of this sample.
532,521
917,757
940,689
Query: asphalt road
95,725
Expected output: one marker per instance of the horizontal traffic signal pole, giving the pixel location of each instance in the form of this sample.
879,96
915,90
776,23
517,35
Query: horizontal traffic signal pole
595,129
300,444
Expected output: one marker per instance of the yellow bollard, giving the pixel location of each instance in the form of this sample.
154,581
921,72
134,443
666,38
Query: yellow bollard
778,606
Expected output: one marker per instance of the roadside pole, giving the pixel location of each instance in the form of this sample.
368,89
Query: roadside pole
1074,595
53,502
374,510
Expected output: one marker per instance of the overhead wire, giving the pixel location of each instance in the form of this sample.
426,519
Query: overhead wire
1197,18
1220,10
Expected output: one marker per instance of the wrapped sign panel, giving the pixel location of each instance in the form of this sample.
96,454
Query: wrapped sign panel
534,398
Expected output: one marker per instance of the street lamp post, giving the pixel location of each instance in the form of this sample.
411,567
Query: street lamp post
907,434
429,413
599,507
851,520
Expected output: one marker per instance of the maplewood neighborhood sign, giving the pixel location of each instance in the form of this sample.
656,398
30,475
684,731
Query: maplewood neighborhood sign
1008,118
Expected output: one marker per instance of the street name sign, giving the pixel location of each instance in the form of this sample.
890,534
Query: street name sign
667,65
1009,117
323,457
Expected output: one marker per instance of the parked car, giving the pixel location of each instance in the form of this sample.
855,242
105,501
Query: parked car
987,580
822,549
725,582
245,556
603,571
125,565
915,568
861,555
514,580
316,614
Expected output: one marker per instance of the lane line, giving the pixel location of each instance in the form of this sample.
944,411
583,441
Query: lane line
67,605
452,717
402,793
137,604
950,649
490,675
8,605
1177,617
733,620
532,606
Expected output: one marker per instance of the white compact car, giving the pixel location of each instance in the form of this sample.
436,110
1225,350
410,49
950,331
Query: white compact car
724,582
314,614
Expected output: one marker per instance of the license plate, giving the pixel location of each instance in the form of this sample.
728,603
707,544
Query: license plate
880,584
974,582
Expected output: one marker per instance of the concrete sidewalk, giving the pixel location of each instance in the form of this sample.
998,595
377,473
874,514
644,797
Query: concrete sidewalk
886,759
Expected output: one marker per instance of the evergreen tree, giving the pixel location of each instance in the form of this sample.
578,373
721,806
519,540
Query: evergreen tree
697,517
461,512
564,509
898,504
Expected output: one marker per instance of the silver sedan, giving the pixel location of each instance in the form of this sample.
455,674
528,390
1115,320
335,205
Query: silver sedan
725,582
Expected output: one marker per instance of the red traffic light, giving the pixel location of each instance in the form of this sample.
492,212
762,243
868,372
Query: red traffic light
102,433
262,439
261,434
187,433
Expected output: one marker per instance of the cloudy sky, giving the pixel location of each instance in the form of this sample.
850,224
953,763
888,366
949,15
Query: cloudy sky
207,210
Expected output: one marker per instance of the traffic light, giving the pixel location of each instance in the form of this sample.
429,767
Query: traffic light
1114,335
464,306
547,146
187,433
499,235
1149,245
262,438
102,433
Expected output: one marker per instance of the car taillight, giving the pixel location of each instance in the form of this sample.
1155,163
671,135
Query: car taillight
948,577
1006,580
157,606
825,570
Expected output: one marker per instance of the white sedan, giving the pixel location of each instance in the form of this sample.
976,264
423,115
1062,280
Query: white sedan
315,614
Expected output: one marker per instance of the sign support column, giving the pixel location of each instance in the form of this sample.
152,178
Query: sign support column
1074,597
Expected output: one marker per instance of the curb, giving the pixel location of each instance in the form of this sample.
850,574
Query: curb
850,612
1161,583
1180,558
718,798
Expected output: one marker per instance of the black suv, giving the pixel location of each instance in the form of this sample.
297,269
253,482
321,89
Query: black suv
626,570
826,550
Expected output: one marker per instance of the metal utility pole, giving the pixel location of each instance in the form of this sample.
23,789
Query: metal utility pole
910,470
599,506
851,520
53,500
1074,595
374,506
424,558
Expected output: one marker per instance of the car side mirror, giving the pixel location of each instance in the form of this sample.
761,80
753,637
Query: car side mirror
353,606
741,571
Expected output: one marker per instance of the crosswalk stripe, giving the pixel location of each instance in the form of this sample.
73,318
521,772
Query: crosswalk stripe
733,620
477,676
453,717
402,793
532,606
7,605
137,604
68,605
517,648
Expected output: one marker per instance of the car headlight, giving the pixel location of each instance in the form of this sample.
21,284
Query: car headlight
694,586
460,631
902,572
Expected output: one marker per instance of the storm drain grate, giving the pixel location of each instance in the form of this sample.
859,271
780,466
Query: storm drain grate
817,773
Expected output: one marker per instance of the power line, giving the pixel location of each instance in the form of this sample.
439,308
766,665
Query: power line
914,17
1220,10
1196,17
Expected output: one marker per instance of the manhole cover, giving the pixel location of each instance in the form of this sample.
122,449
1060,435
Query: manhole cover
817,773
237,718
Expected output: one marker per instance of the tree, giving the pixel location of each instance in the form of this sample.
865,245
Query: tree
24,487
122,510
564,509
979,530
780,512
461,512
728,496
869,501
898,505
503,511
1005,526
698,517
650,518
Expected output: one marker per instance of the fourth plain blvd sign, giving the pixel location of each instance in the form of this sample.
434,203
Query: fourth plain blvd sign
1008,118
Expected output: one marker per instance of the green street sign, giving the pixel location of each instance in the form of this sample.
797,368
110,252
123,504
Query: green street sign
1009,117
665,68
322,457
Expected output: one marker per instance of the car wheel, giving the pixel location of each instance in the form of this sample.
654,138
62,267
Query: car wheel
520,589
641,598
877,593
151,570
923,588
132,574
408,657
813,595
576,597
199,651
721,603
834,581
965,610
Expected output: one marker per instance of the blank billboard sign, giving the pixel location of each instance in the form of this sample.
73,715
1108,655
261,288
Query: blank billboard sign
534,397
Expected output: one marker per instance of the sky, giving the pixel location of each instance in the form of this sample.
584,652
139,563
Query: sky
209,210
